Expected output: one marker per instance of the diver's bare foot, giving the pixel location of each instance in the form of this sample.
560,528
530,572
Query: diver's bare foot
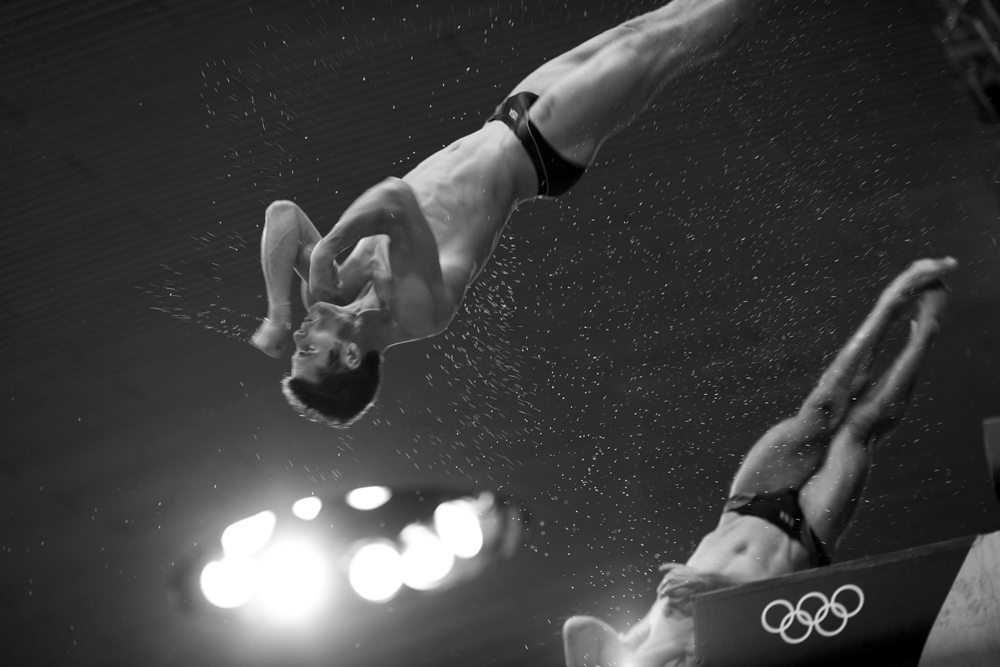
270,338
919,276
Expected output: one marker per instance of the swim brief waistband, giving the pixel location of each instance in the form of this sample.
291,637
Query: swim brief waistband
556,175
783,511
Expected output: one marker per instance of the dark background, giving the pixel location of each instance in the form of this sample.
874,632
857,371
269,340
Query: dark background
623,349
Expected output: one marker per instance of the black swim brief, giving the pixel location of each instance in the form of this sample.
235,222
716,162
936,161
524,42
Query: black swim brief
783,511
556,175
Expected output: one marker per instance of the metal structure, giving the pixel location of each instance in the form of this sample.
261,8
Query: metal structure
970,35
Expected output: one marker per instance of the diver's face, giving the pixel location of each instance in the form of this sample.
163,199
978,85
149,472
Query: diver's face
324,331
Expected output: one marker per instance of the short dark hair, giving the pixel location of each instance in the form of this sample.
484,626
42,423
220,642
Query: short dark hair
341,395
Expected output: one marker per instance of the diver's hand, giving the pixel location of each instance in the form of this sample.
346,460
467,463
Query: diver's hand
271,338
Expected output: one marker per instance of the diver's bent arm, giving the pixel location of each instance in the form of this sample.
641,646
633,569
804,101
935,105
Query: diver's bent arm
421,302
285,246
375,212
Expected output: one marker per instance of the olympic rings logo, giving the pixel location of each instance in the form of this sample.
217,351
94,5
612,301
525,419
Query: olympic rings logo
798,615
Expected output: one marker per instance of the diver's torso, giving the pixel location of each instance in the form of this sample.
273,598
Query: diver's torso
748,548
467,191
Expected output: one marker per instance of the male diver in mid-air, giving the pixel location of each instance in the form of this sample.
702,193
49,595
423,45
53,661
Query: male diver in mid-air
421,240
797,489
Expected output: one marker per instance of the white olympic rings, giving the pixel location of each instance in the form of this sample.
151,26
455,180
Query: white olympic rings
812,620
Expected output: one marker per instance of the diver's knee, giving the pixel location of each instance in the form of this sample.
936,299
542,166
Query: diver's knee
587,627
585,640
280,208
572,626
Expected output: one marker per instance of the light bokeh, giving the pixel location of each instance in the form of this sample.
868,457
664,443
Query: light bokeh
368,497
294,580
248,536
376,571
229,583
426,560
457,524
307,509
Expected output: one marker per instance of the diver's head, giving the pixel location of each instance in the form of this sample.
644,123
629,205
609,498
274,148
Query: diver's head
335,374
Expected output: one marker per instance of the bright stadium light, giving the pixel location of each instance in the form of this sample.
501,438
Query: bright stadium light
293,580
368,497
229,583
283,567
307,509
426,561
375,571
247,537
457,524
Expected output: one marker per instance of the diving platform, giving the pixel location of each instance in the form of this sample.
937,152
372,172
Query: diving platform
930,606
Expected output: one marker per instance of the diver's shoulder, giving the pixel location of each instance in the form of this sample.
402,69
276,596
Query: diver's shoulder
391,188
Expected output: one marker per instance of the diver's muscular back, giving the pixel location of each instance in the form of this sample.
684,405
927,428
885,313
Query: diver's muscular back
467,191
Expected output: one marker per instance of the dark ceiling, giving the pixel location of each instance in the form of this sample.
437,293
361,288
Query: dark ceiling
623,349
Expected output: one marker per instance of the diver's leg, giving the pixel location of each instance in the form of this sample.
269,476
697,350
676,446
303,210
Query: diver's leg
790,452
285,247
831,496
591,92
